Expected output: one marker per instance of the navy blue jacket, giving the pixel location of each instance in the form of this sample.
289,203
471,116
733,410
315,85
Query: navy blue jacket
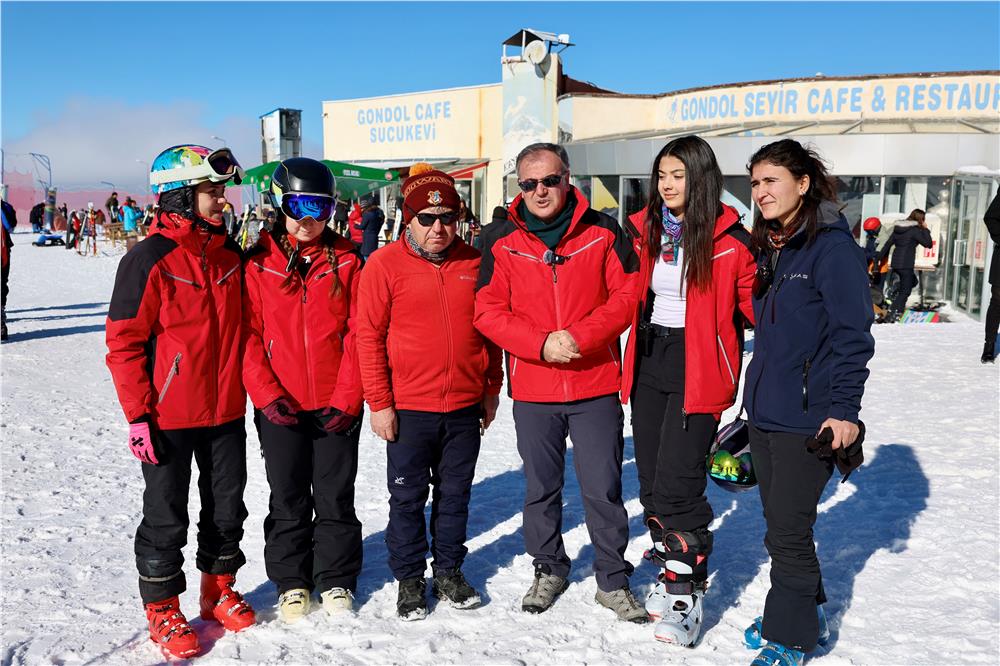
371,225
812,340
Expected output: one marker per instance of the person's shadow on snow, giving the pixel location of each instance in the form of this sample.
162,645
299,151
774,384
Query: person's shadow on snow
891,490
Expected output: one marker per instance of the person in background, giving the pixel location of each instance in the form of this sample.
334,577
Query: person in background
557,287
36,217
804,384
682,366
9,222
131,215
340,217
432,383
992,221
173,328
905,237
111,205
73,227
354,225
398,223
372,219
300,369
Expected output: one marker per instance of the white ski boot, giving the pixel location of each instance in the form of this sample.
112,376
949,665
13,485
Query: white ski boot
678,606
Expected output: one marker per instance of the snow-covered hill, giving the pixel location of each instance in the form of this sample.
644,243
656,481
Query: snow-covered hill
909,546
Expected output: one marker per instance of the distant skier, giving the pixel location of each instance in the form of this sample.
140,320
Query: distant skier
9,222
992,221
906,235
173,333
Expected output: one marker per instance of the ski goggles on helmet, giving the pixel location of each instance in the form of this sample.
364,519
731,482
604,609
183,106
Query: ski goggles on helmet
300,205
219,166
729,463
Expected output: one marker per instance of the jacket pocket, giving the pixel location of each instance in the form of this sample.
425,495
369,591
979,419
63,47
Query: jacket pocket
178,278
175,370
227,274
614,358
725,359
268,350
513,368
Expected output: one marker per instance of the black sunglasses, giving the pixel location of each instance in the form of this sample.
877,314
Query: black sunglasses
529,184
428,219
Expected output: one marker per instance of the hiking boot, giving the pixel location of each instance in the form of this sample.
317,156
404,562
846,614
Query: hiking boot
411,601
338,601
624,604
293,604
220,602
543,591
450,585
169,629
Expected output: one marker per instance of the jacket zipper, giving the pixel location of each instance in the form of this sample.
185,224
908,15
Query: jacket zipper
513,367
723,253
175,370
725,358
305,338
805,385
774,296
613,359
231,271
269,345
448,333
184,280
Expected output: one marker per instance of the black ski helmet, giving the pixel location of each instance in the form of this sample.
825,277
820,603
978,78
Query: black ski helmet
304,175
729,462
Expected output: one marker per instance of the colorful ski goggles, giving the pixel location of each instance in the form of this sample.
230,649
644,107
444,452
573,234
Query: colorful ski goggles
300,205
218,166
729,463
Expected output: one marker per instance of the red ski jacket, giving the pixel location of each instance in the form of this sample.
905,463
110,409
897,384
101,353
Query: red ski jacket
353,219
173,327
417,345
713,318
299,340
590,290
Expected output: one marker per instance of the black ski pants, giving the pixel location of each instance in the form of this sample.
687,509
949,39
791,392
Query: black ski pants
436,450
595,426
220,452
312,535
791,481
993,310
670,448
907,281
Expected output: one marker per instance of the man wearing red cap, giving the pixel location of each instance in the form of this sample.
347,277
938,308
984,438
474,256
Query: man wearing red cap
432,383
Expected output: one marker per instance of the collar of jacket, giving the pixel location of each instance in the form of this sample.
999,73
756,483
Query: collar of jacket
582,206
723,223
452,249
192,235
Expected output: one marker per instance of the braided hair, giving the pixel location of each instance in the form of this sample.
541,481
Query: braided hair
327,240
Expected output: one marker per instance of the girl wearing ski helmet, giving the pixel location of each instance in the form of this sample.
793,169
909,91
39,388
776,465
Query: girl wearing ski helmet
811,349
300,370
682,366
172,332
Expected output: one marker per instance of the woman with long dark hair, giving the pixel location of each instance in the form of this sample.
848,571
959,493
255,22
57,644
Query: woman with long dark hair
300,370
906,235
682,365
803,388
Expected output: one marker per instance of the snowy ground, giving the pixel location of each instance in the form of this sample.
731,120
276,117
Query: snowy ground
909,546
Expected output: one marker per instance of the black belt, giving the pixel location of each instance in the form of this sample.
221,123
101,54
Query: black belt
657,331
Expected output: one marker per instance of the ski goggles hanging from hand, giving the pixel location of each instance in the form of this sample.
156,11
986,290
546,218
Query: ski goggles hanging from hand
300,205
219,166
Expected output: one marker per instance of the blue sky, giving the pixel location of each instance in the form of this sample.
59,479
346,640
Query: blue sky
118,71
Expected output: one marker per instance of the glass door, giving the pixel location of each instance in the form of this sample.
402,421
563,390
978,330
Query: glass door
969,244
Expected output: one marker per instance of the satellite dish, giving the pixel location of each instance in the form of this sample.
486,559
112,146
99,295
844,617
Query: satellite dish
536,52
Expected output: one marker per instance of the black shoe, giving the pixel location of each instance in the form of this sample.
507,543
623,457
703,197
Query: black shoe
411,602
450,585
988,355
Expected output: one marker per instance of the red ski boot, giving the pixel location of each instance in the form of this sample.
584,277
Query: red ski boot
220,602
169,629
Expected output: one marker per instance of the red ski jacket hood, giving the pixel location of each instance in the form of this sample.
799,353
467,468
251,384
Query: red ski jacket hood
417,345
299,341
713,318
586,286
173,327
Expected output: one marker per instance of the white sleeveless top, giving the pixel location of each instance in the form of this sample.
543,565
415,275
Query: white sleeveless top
671,292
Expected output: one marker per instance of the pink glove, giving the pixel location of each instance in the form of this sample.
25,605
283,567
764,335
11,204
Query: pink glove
140,442
280,413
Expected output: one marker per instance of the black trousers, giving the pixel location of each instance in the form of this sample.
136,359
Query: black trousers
992,312
791,481
312,535
5,275
670,451
595,426
220,452
907,281
436,450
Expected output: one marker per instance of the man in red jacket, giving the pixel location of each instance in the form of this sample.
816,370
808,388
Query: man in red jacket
173,333
557,286
432,383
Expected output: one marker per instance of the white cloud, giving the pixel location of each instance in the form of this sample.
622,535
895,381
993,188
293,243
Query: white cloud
89,140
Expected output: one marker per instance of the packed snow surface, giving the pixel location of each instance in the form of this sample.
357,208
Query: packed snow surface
909,545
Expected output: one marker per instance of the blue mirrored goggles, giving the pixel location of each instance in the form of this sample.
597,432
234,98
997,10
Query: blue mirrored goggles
299,205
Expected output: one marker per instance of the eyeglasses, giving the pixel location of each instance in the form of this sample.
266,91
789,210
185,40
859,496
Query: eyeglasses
428,219
300,205
530,184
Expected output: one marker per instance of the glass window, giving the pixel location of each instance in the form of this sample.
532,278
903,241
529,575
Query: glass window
605,194
635,195
859,195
